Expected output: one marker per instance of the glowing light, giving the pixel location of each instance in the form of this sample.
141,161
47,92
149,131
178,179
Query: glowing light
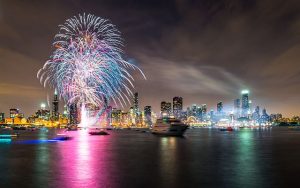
43,105
245,92
87,66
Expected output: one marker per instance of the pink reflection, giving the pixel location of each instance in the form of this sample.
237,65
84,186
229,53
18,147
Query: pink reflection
83,161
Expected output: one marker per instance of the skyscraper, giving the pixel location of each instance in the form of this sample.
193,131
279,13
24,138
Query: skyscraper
245,103
220,107
177,106
73,114
55,114
256,114
264,116
116,116
237,107
147,113
165,108
204,112
194,110
136,103
211,115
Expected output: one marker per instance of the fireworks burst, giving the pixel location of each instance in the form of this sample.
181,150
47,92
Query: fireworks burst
87,66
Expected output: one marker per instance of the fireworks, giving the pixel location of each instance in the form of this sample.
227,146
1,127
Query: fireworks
87,66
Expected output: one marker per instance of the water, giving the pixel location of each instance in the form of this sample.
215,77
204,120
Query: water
128,158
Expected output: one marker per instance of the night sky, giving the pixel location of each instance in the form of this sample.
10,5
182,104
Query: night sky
203,50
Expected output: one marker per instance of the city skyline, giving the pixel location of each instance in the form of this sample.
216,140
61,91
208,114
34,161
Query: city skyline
174,108
180,55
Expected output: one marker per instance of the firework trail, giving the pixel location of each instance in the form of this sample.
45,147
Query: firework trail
87,66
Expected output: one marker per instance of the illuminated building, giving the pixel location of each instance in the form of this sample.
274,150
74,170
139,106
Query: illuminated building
73,114
204,112
211,115
188,111
136,103
66,111
245,103
43,114
264,116
55,114
2,117
116,117
194,110
275,117
199,113
220,108
136,110
237,107
165,108
256,114
177,106
13,112
147,114
250,107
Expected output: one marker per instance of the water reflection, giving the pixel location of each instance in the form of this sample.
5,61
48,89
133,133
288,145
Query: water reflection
168,161
84,161
41,164
246,166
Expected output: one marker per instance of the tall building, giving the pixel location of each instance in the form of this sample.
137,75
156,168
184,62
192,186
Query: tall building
136,102
264,116
250,110
245,103
177,106
43,113
73,113
13,112
237,107
199,113
116,116
2,117
194,110
66,111
55,114
147,114
211,115
220,107
256,114
204,112
165,108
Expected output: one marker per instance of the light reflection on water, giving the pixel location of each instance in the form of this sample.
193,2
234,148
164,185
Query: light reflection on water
168,160
204,158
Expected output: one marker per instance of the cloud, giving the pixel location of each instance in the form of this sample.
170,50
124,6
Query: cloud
26,91
183,77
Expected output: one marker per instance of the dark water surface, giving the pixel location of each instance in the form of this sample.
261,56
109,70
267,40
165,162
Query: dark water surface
127,158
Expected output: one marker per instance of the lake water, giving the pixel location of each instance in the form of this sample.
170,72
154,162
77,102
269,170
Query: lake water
128,158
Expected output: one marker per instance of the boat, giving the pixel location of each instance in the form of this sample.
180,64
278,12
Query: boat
8,136
169,127
72,128
98,133
18,128
226,129
62,137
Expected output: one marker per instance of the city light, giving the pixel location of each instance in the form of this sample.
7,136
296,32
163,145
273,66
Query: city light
245,92
43,105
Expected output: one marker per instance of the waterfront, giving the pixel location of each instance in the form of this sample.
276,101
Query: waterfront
128,158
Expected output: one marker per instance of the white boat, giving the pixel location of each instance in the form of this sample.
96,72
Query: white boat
169,127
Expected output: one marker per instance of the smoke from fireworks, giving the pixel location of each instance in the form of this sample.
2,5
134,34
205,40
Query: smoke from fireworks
87,66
